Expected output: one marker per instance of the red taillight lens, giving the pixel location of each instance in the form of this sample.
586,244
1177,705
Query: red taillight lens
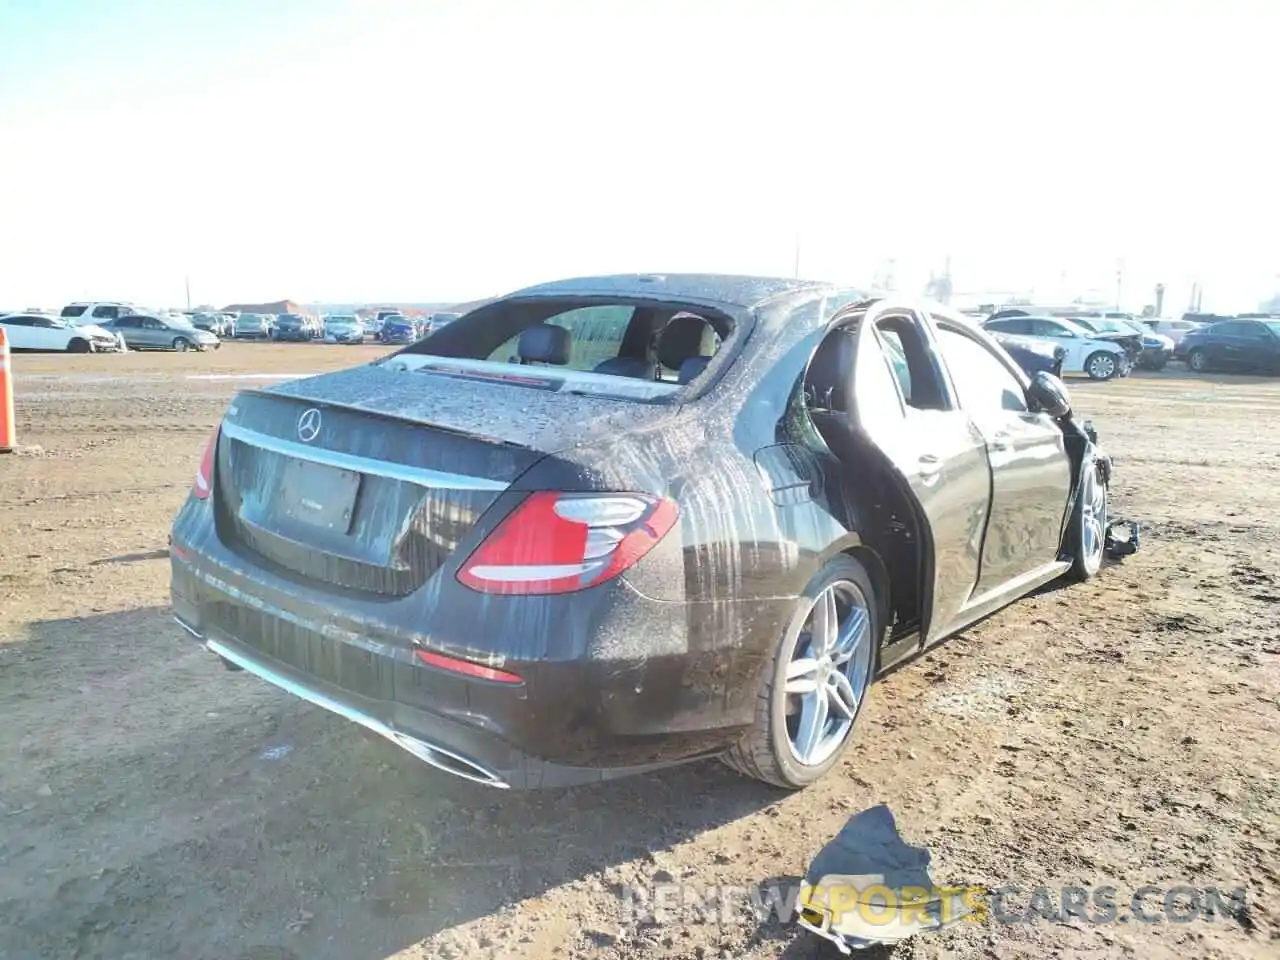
466,667
204,476
562,542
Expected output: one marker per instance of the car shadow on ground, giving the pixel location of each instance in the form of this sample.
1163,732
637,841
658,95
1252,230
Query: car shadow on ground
131,558
244,819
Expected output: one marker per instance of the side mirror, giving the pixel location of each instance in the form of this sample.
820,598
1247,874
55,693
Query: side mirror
1049,394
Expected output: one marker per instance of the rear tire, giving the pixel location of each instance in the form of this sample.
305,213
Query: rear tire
1198,360
1101,365
795,740
78,345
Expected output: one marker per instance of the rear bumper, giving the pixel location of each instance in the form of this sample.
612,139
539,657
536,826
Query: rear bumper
454,748
624,684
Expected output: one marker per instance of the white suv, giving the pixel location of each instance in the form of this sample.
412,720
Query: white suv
83,311
37,331
1100,359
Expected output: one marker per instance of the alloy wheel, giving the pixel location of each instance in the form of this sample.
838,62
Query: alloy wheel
1093,518
1102,366
829,672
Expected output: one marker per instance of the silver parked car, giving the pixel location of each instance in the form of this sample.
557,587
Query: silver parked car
141,332
251,326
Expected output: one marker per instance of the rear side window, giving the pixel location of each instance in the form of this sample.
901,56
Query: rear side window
1011,326
1049,328
76,311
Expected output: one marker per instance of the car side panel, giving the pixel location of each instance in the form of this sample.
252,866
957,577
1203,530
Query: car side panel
1031,484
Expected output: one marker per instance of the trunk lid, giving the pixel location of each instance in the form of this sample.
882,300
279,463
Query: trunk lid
368,479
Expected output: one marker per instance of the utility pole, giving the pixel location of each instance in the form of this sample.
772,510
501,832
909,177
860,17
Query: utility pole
188,293
1119,282
796,271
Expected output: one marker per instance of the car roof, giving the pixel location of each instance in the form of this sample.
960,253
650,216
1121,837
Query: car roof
735,290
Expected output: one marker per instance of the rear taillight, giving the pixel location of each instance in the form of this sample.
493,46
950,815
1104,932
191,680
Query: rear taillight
562,542
204,476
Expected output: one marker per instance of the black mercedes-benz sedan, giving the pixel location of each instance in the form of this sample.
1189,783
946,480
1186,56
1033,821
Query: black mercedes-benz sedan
604,525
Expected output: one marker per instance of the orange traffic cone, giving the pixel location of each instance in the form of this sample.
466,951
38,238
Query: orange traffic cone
8,432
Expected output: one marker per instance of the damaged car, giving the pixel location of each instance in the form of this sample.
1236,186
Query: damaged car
602,526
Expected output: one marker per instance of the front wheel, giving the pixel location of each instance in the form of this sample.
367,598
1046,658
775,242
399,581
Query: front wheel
1198,360
181,344
1101,365
1089,524
816,683
78,345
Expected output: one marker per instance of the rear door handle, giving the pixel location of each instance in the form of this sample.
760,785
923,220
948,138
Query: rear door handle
1002,441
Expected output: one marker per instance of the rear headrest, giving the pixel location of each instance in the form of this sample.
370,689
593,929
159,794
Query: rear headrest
626,367
692,367
681,339
544,343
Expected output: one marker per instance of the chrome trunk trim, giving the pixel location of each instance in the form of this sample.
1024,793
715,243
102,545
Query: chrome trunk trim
422,476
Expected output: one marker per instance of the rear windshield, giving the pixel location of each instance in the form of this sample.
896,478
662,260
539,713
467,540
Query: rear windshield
626,349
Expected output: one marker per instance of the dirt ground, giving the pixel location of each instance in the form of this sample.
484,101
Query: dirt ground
153,804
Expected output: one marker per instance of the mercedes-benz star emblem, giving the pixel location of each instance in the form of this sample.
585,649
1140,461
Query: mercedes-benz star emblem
308,425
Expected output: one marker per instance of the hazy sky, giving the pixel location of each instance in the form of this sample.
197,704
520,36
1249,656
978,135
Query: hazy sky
320,149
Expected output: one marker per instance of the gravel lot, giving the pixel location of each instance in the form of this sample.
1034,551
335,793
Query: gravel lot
152,804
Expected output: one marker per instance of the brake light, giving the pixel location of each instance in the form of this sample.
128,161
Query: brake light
562,542
204,476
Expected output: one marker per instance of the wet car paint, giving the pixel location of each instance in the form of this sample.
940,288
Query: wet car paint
660,664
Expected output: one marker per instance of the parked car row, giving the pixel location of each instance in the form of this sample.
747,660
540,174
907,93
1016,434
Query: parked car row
102,328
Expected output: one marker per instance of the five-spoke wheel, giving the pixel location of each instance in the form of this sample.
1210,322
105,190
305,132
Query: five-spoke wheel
816,685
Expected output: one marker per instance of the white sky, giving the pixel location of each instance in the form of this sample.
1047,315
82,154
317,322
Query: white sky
451,150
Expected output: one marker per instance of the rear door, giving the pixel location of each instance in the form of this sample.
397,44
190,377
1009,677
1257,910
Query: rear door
903,404
130,328
46,335
154,333
1064,337
1256,346
1030,471
20,334
1226,345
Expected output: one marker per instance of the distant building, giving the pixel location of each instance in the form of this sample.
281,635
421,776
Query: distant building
275,308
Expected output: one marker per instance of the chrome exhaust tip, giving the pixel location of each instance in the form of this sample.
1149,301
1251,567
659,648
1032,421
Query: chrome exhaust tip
432,754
